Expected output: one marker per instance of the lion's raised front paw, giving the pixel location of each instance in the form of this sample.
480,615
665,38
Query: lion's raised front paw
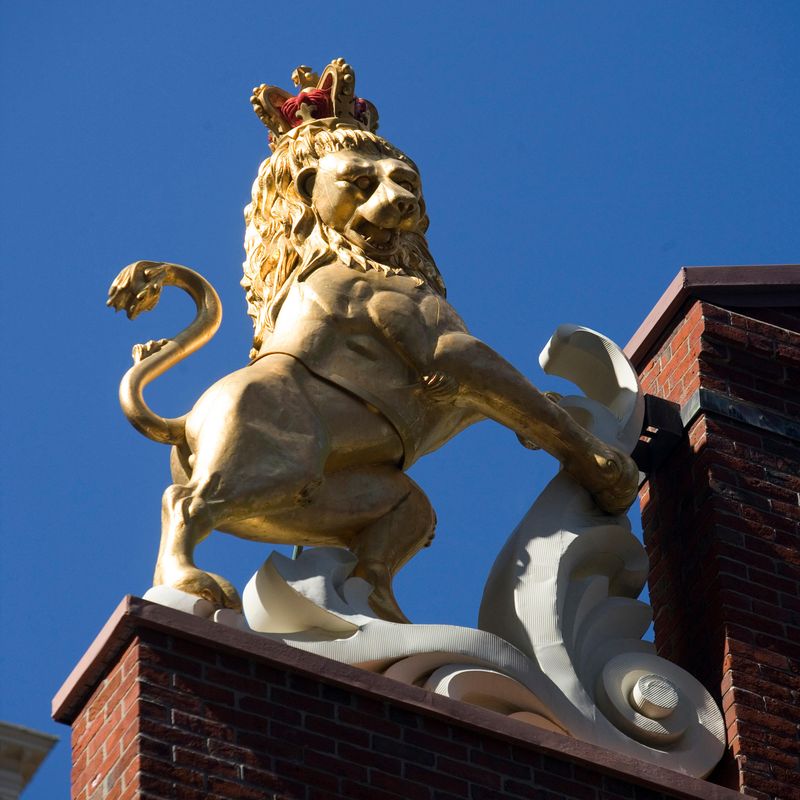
137,288
622,476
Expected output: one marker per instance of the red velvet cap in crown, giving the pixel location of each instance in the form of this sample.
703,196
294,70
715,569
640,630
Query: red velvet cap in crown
330,97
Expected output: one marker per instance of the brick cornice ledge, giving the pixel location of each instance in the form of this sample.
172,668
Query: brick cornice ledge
776,285
134,615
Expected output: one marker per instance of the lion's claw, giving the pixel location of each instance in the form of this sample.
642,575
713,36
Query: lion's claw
440,387
382,599
214,588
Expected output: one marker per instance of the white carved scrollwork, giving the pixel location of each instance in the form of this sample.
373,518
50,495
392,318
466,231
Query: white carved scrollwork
564,587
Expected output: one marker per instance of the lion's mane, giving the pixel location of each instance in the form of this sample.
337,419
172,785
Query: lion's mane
285,240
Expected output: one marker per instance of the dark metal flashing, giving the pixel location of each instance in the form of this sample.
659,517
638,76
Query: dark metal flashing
662,429
710,401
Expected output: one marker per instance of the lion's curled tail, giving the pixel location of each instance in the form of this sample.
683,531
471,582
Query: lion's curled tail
137,288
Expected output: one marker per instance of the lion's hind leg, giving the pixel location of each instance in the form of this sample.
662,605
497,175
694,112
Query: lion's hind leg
257,447
185,523
388,543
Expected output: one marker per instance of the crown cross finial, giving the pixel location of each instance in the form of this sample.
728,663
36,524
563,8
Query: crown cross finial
306,112
330,97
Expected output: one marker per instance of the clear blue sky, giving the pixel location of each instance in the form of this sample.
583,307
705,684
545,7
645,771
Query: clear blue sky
574,156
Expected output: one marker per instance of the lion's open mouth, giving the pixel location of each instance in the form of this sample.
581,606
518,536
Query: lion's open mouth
369,236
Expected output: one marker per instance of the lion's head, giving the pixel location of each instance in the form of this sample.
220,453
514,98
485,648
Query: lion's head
331,193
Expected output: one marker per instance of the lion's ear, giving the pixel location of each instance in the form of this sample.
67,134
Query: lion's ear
304,182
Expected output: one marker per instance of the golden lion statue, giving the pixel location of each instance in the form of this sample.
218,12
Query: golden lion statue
359,365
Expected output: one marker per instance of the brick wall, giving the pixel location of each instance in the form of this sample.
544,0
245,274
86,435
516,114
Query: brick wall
105,754
721,519
167,706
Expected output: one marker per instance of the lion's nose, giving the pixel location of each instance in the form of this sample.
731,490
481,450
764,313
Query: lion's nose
402,203
391,206
404,206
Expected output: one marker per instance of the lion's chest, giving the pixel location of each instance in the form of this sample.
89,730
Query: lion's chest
340,293
331,315
337,299
372,336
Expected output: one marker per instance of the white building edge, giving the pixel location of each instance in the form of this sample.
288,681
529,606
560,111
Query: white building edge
22,750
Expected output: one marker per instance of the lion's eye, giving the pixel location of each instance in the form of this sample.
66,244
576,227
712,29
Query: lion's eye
364,182
407,185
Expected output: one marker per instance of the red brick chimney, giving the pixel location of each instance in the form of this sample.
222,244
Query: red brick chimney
721,512
169,706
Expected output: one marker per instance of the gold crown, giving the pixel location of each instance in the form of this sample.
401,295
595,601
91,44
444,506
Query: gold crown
330,97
